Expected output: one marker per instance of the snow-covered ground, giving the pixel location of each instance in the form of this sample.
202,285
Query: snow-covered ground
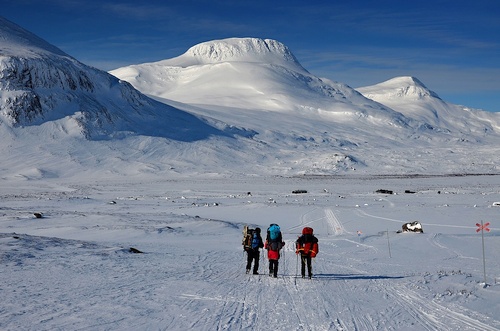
72,269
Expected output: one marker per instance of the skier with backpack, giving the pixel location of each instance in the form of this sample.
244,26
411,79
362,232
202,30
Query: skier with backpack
307,246
252,241
274,243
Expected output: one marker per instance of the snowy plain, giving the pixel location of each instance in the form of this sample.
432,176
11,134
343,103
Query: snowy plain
242,126
72,269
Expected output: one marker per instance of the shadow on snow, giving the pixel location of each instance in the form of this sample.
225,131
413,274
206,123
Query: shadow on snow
354,276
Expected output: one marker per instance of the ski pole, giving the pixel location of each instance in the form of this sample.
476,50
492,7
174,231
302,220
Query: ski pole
284,262
296,269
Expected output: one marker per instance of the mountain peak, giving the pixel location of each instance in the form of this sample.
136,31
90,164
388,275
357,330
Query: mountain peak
236,50
18,42
409,80
405,87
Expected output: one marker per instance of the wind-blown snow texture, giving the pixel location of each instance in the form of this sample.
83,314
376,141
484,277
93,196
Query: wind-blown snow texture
235,126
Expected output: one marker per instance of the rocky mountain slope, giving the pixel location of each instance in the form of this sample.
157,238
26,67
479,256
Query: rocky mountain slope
39,84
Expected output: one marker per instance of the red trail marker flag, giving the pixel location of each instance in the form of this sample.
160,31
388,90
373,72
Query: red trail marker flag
484,227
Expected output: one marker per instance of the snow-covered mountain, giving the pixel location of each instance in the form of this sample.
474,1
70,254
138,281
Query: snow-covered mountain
40,84
263,75
412,98
260,84
252,74
238,105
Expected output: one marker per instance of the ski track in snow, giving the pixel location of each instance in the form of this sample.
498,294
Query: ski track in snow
342,313
433,316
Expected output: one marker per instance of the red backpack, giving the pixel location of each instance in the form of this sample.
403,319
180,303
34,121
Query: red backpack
307,230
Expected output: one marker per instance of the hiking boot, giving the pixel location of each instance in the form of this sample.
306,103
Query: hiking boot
255,273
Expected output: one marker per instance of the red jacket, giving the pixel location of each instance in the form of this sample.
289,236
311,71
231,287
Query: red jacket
307,244
273,253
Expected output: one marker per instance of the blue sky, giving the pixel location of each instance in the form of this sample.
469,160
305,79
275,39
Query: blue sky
453,48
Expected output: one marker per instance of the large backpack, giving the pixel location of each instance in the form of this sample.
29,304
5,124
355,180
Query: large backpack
307,230
274,232
248,236
274,237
